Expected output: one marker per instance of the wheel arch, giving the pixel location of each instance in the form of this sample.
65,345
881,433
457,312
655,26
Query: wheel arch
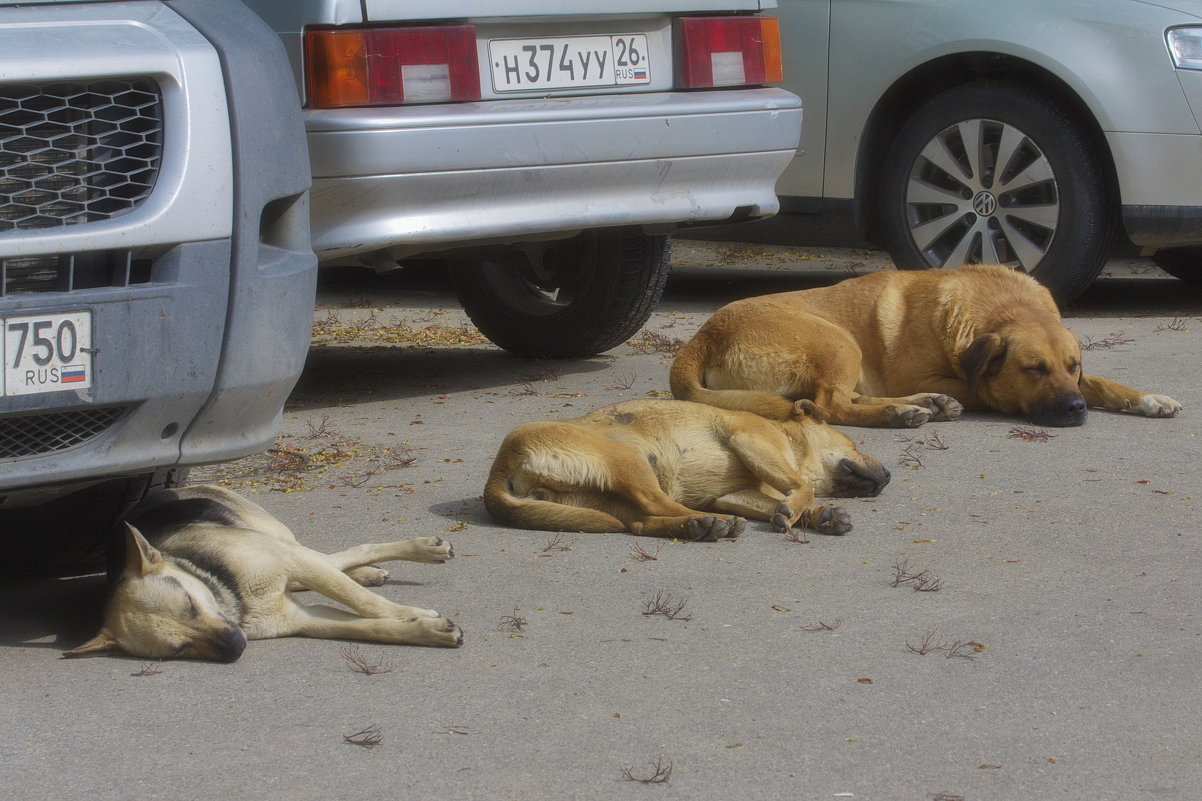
938,75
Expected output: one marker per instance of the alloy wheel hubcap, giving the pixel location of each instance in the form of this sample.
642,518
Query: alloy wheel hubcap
981,191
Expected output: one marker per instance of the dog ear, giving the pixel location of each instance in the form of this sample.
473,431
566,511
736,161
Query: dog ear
983,357
102,643
807,408
140,556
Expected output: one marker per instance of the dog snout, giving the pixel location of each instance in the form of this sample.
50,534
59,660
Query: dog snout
229,645
1065,410
864,479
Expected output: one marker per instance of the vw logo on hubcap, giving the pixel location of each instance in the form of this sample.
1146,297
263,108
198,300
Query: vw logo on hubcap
984,204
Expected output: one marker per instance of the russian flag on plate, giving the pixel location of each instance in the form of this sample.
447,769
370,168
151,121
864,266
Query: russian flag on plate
73,373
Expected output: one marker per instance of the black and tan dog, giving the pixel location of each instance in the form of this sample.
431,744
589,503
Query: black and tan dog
899,348
667,468
206,570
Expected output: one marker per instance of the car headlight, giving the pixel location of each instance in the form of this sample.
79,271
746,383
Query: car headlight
1185,46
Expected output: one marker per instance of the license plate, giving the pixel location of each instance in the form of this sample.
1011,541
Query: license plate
569,62
47,353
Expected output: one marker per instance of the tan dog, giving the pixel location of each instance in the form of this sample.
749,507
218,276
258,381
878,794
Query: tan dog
899,348
667,468
206,570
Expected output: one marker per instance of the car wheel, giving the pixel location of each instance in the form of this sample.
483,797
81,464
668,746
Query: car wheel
571,299
992,172
73,534
1183,263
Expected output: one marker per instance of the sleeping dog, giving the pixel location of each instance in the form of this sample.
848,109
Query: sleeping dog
666,468
899,348
206,570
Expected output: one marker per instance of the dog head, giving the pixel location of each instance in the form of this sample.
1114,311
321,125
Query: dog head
829,458
1030,367
158,611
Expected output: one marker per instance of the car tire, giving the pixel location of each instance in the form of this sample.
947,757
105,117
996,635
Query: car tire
571,299
1184,263
73,534
994,172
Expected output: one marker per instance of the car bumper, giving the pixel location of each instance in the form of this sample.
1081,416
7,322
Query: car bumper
410,180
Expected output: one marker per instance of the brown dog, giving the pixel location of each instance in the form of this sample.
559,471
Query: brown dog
666,468
899,348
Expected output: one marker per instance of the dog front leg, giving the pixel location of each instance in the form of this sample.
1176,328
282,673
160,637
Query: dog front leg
1112,396
326,622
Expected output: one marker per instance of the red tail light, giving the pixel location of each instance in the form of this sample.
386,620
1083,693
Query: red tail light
729,51
390,66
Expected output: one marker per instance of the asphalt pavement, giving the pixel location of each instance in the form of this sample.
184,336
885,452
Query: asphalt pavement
1016,616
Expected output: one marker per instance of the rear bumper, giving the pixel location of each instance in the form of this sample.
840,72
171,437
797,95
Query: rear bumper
409,180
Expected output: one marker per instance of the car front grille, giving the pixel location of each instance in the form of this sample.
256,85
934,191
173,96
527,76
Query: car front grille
68,272
33,434
77,152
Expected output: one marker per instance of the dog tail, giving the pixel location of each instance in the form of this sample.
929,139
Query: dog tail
532,512
687,382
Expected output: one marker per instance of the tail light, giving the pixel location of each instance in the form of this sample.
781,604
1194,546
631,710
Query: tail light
390,66
728,51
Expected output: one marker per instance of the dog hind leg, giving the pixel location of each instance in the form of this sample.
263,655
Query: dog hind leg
311,570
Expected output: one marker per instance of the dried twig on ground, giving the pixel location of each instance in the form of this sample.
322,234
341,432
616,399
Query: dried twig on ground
148,669
512,622
820,626
640,554
360,664
1028,434
660,773
1115,339
664,604
367,738
556,544
919,580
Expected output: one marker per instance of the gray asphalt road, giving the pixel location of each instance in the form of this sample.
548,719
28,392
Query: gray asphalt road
1060,655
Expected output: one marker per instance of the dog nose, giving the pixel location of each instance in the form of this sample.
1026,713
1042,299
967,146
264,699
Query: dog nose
230,645
1068,410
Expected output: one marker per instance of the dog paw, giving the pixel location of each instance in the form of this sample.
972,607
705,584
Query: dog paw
432,549
440,632
828,520
712,529
907,416
1157,406
368,575
783,518
943,407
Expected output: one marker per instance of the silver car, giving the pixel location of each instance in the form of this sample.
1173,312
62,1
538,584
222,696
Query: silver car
1035,133
545,150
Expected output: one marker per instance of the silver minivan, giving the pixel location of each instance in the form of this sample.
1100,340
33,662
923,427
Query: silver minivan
544,149
156,278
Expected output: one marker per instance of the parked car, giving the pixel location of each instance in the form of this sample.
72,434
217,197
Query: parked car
1034,133
156,278
544,150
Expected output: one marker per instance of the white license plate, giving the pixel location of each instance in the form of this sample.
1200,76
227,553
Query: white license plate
569,62
47,353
